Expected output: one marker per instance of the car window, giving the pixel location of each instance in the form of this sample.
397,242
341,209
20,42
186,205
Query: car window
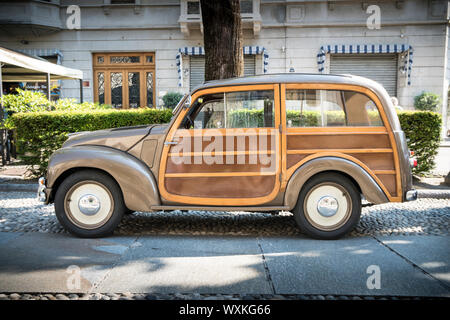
243,109
361,110
330,108
314,108
250,109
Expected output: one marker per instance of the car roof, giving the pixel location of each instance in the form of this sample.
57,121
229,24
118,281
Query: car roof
288,78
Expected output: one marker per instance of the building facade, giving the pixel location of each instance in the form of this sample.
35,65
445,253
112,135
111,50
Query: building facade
132,52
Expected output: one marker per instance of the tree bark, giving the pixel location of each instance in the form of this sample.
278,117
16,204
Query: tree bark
222,37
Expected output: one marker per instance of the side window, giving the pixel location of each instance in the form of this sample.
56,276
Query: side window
250,109
243,109
206,112
330,108
361,110
314,108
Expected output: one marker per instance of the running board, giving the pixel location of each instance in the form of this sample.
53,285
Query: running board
161,208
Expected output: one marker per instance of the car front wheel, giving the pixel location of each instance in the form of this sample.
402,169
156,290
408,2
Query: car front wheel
89,204
328,207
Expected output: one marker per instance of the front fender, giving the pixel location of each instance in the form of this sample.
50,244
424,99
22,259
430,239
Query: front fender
369,187
138,185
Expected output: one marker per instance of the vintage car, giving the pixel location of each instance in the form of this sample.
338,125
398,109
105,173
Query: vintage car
315,145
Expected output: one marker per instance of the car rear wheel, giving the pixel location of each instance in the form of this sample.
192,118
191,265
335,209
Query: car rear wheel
89,204
328,207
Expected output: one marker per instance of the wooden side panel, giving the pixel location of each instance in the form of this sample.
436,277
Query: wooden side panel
389,182
372,149
350,141
221,187
244,166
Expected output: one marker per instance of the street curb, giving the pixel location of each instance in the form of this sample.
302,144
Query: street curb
433,194
18,187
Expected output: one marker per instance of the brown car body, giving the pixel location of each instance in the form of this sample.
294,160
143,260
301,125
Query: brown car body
375,158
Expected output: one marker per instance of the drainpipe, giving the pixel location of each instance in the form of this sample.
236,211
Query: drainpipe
48,86
81,90
2,144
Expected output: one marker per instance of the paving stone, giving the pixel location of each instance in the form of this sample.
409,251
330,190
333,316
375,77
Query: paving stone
21,212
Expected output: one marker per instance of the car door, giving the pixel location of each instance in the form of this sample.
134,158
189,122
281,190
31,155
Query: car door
224,149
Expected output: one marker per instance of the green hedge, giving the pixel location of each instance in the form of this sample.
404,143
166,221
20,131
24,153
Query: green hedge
39,134
422,129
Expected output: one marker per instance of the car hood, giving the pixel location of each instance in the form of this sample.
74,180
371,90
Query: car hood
119,138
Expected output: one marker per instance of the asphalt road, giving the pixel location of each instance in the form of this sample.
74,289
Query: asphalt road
366,265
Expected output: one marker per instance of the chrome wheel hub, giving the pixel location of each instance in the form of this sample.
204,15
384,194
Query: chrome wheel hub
89,204
327,206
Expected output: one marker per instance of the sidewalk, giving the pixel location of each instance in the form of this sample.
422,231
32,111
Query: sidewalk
445,142
408,265
14,178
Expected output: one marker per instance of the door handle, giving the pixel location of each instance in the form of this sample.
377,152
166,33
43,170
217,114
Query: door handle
169,143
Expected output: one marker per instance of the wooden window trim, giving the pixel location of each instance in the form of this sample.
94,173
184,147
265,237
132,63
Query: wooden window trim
142,68
107,64
222,201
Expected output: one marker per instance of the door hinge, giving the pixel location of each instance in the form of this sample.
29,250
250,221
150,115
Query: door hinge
280,128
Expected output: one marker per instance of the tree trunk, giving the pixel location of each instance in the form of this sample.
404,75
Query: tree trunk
222,35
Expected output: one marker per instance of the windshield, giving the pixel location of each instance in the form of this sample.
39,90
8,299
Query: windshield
179,104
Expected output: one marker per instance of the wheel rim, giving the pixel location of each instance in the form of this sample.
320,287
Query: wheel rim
327,206
89,204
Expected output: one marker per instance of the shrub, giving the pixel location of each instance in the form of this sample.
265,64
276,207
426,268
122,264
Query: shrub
39,134
427,101
171,99
422,129
26,101
32,101
73,105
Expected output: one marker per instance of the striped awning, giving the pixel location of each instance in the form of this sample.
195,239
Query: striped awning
200,51
367,49
44,53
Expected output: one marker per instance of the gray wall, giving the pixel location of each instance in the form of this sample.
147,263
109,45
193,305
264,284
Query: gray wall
292,32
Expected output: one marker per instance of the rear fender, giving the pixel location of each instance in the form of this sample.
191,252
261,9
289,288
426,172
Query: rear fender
369,187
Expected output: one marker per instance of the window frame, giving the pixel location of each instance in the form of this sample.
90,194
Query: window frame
196,109
142,67
341,93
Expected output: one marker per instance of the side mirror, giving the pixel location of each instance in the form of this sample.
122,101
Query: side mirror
187,103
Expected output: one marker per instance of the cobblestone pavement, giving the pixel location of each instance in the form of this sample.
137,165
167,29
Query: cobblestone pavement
196,296
21,212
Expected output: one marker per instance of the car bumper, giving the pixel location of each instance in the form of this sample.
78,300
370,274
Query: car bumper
43,193
411,195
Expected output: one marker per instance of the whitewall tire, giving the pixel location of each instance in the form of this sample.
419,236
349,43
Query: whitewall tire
328,207
89,204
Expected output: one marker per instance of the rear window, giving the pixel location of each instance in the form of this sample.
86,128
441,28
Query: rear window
330,108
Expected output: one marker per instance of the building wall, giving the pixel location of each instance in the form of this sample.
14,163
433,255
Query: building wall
292,32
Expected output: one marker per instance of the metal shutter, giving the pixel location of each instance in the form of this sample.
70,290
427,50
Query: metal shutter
197,74
197,66
249,65
380,68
